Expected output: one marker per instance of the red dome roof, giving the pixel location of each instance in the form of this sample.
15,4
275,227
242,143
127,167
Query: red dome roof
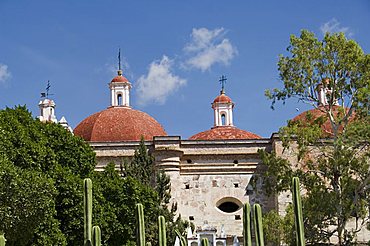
119,78
309,116
224,132
222,99
117,124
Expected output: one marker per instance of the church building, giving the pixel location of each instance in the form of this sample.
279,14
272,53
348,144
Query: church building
211,172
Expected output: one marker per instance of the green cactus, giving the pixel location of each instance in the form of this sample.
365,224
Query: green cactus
148,244
96,236
258,228
298,216
2,240
183,241
247,224
162,231
87,211
140,226
205,242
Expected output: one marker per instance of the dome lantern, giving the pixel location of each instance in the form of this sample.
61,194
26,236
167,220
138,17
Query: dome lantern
120,88
223,107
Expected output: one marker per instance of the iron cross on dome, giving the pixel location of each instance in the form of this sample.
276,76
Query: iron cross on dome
222,81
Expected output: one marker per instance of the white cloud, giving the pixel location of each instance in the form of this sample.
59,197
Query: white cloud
4,73
208,47
159,83
334,25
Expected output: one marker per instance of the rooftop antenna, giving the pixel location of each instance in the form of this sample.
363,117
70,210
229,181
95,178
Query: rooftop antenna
222,80
46,94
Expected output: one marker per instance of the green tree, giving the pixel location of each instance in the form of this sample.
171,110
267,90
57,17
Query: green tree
27,202
333,165
42,168
141,166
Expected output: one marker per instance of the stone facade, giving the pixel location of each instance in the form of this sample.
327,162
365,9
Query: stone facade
205,176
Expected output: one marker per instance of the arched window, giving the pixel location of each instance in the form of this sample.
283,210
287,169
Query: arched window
223,119
119,100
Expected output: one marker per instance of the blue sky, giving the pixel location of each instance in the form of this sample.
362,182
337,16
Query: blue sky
173,53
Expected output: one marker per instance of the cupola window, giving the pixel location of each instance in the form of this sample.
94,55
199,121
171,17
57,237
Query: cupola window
119,99
223,120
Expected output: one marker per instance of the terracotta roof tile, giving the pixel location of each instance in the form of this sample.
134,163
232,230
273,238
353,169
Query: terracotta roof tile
224,132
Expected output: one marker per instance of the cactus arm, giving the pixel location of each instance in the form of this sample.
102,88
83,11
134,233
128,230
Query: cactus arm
183,241
2,240
87,211
96,236
247,225
162,231
140,226
298,216
257,212
204,242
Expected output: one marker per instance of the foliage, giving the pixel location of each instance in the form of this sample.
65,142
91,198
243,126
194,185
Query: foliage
114,206
49,163
334,166
141,166
335,58
279,229
26,204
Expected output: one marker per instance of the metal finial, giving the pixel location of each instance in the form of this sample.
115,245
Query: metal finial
47,88
46,94
222,80
119,59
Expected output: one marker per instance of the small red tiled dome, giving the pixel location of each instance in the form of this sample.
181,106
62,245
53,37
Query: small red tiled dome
309,116
119,78
224,132
222,99
117,124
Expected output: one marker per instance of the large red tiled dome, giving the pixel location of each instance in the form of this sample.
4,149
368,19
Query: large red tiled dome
308,117
117,124
223,133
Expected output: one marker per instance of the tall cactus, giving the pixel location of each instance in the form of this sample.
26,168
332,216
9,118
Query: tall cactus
87,211
2,240
298,216
140,226
247,225
258,227
162,231
205,242
96,236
